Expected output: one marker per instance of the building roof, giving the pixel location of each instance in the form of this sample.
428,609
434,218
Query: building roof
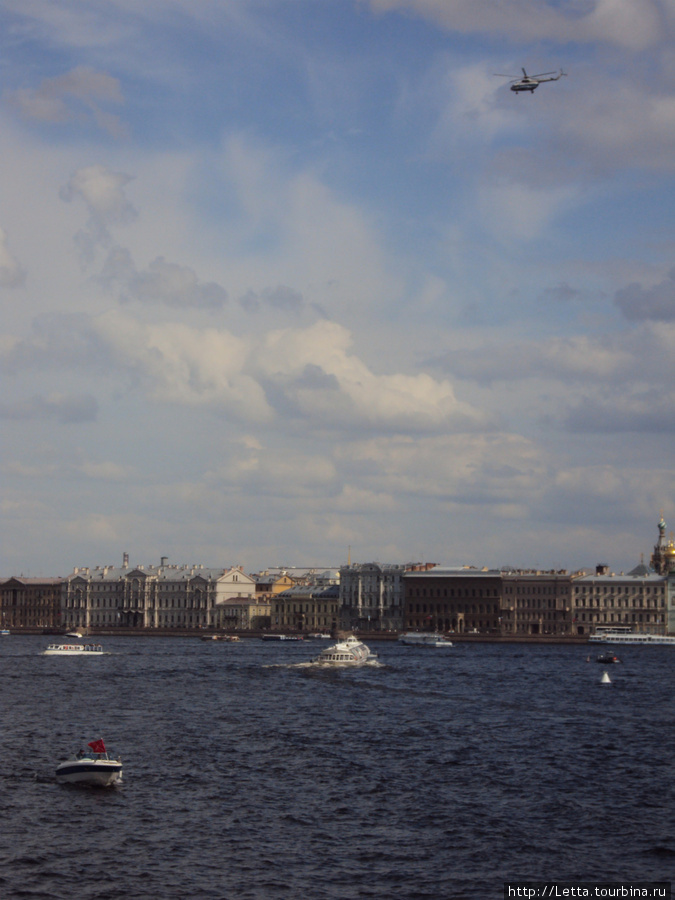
453,571
650,578
161,573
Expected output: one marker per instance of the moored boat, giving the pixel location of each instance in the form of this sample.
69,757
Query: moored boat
424,639
281,637
75,650
349,651
94,768
230,638
631,638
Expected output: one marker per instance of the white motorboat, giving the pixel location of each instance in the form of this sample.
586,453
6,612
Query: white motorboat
74,634
94,768
75,650
347,652
424,639
5,631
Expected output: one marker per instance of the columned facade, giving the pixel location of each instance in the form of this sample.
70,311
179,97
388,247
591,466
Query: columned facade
150,597
371,597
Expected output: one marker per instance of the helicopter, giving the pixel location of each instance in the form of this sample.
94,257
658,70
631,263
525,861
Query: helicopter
531,82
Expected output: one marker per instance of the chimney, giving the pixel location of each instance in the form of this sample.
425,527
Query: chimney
125,560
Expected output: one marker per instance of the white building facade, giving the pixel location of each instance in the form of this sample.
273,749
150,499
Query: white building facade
161,596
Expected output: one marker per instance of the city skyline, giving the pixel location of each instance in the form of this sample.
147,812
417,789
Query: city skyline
280,280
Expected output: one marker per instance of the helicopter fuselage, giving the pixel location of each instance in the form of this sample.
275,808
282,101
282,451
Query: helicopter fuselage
524,86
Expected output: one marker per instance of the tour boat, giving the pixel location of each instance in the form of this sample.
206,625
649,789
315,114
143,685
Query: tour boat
347,652
630,638
424,639
94,768
75,650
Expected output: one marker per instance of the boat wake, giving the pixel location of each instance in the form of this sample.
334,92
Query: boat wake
317,664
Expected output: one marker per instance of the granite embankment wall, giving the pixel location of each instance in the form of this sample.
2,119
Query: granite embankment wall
364,635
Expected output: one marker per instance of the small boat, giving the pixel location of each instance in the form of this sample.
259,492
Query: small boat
94,768
281,637
231,638
75,650
424,639
608,658
74,634
317,636
4,631
349,651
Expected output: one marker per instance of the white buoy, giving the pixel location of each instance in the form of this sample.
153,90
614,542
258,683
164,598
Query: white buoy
605,678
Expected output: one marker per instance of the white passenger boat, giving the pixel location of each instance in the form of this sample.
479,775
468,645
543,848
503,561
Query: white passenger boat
75,650
631,639
424,639
347,652
281,637
94,768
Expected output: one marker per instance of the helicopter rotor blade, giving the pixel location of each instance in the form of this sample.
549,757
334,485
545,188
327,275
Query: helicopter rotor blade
541,74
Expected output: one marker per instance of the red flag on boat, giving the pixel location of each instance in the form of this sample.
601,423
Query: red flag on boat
97,746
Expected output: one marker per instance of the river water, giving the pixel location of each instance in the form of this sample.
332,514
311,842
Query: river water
436,774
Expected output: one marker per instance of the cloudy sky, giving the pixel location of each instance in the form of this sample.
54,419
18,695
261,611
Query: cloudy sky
282,278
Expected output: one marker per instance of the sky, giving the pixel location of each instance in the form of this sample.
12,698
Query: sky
302,282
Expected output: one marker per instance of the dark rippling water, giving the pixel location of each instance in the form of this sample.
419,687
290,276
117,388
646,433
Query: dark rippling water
438,775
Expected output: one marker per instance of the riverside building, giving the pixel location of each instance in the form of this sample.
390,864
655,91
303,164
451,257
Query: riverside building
31,603
453,599
534,602
371,596
161,596
516,603
638,600
306,607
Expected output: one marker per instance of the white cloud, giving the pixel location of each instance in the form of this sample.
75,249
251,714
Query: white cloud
272,471
307,373
102,191
321,380
162,282
634,24
459,469
76,95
